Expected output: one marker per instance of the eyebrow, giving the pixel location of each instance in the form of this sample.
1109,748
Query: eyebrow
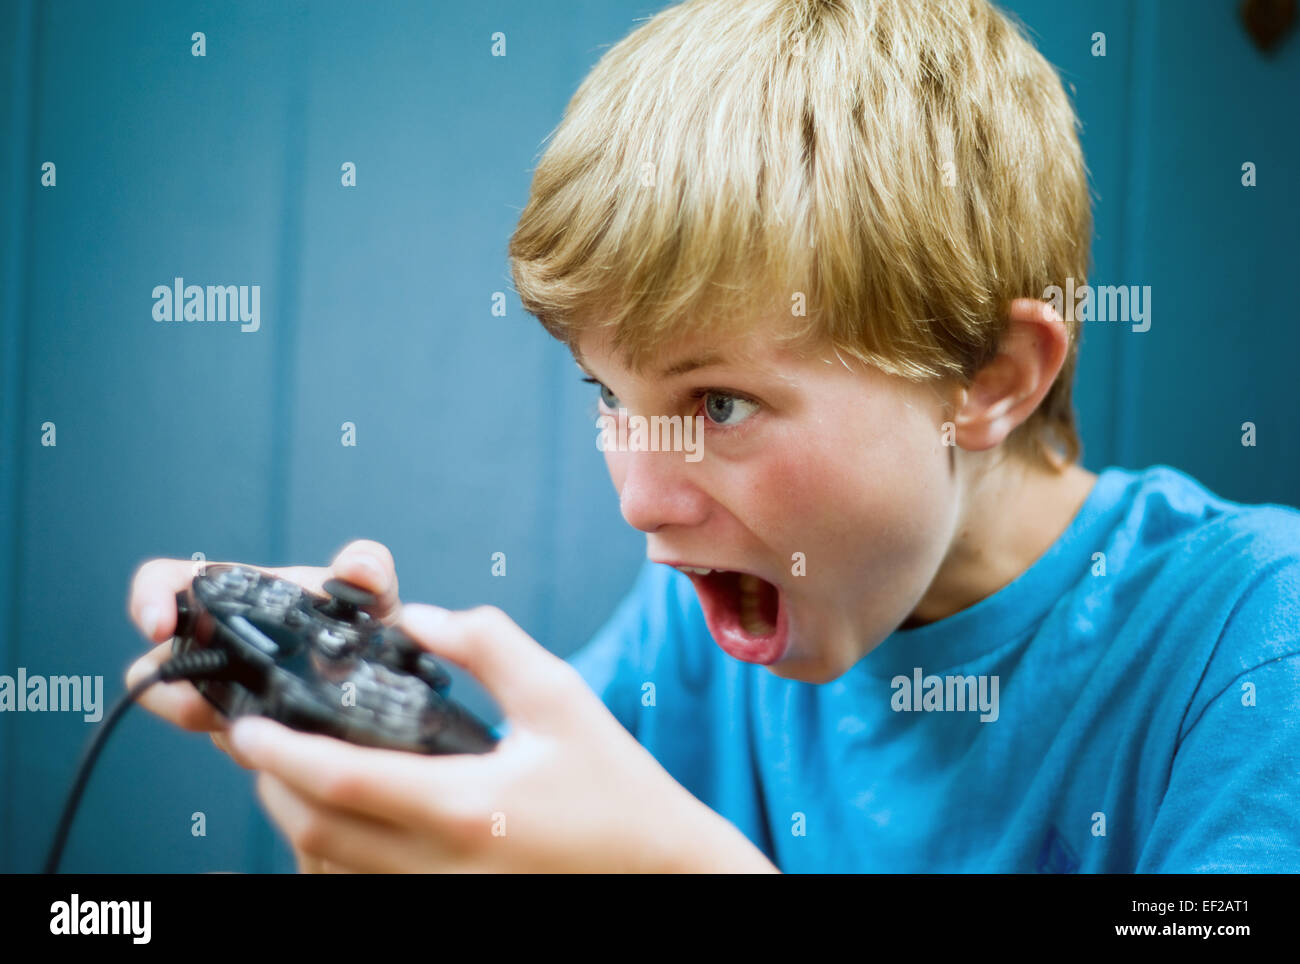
673,370
689,365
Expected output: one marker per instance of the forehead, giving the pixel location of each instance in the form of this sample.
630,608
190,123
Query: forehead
753,344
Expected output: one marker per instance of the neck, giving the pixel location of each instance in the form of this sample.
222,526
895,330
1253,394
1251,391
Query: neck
1012,514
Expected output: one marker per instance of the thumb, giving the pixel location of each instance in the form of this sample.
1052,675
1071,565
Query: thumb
528,681
370,565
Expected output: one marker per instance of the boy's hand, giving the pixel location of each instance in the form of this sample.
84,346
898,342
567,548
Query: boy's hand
568,789
152,607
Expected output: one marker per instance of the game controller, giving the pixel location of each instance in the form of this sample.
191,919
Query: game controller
321,664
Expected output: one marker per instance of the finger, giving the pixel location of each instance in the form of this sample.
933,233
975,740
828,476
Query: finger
311,864
370,565
400,787
178,702
307,864
334,837
152,604
526,679
222,739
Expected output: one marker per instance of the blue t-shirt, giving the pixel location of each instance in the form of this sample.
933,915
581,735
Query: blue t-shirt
1131,702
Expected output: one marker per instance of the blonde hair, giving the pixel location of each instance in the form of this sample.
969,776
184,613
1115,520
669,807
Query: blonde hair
908,166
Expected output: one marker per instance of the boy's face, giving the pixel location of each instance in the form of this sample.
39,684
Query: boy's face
830,485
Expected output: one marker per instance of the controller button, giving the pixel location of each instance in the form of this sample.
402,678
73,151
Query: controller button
402,653
254,636
278,595
235,579
333,644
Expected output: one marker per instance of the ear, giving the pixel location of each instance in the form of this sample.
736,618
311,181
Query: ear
1006,391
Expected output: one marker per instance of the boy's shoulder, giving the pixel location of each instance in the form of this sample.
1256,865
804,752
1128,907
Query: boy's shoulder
1211,584
1164,523
1210,606
1186,497
1174,527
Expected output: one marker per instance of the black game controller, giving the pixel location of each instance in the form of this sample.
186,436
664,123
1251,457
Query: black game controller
320,664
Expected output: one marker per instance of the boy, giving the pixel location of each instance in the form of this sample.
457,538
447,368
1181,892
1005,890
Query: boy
825,229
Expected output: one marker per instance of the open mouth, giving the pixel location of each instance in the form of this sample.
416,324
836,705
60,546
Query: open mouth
746,613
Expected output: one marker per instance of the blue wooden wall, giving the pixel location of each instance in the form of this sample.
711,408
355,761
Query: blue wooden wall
472,429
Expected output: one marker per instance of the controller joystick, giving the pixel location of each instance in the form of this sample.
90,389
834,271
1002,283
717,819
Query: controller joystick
320,664
346,600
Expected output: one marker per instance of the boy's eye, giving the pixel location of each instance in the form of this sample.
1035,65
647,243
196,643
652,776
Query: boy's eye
724,409
609,399
721,408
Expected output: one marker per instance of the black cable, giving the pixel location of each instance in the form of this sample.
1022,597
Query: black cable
191,666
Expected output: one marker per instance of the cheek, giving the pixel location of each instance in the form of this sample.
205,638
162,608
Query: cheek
866,501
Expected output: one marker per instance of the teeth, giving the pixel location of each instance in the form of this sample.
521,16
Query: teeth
750,619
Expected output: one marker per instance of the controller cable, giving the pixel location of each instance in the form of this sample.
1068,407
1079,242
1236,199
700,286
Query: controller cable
199,664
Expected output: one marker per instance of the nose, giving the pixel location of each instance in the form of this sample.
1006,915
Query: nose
655,490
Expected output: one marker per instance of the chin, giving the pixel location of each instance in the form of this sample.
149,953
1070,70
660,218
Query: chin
825,665
815,669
